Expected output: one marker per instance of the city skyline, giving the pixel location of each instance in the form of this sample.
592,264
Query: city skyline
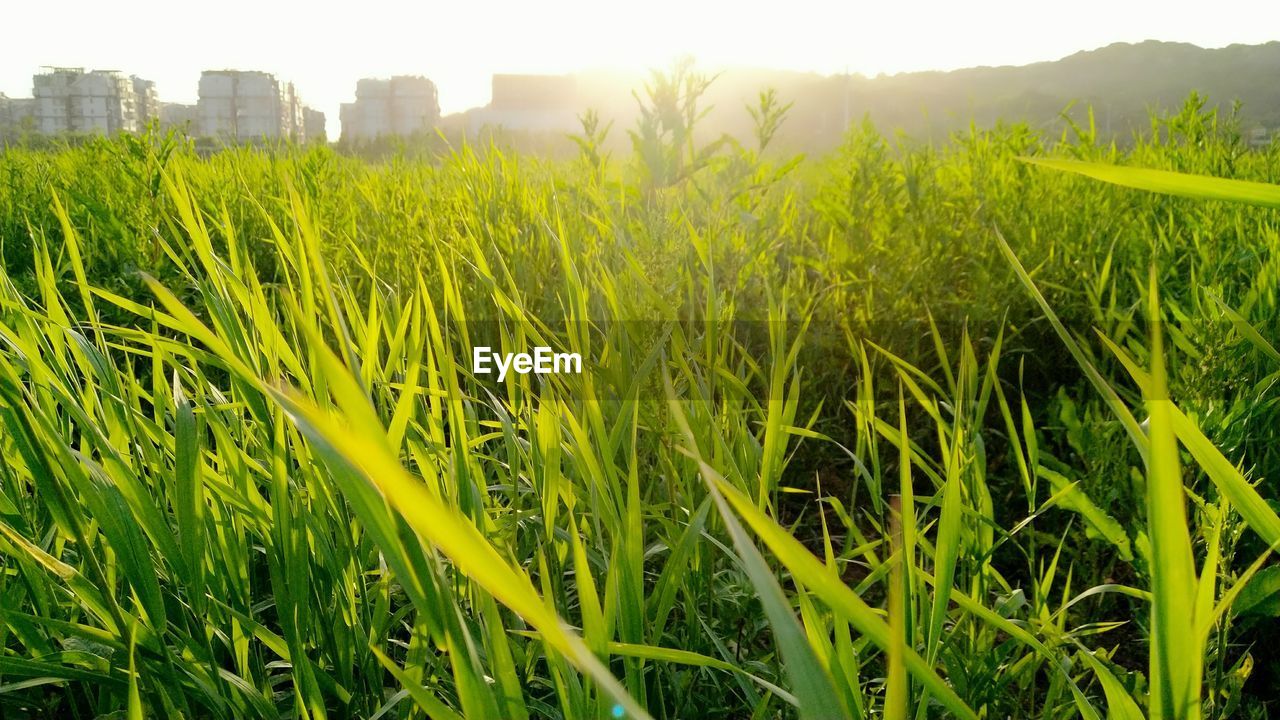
461,47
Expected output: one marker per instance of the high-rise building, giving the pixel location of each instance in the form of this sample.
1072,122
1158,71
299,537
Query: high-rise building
248,106
17,116
532,103
76,101
403,105
415,104
313,124
179,117
148,101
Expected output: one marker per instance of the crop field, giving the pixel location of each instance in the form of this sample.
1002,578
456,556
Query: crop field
978,429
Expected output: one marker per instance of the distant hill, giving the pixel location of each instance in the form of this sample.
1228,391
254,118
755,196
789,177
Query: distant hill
1122,82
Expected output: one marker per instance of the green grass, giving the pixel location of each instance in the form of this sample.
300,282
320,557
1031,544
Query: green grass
909,431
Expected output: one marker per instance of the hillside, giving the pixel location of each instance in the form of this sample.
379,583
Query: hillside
1122,82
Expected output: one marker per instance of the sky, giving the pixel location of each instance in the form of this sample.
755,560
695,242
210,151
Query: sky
324,47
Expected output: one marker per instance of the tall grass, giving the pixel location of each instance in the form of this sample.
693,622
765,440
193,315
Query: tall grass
905,432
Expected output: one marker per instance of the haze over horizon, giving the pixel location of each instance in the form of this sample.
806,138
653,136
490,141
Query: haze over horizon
461,46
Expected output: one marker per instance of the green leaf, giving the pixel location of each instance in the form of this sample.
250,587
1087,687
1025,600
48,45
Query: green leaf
1166,182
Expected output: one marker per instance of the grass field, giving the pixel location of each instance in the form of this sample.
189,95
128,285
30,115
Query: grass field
907,431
